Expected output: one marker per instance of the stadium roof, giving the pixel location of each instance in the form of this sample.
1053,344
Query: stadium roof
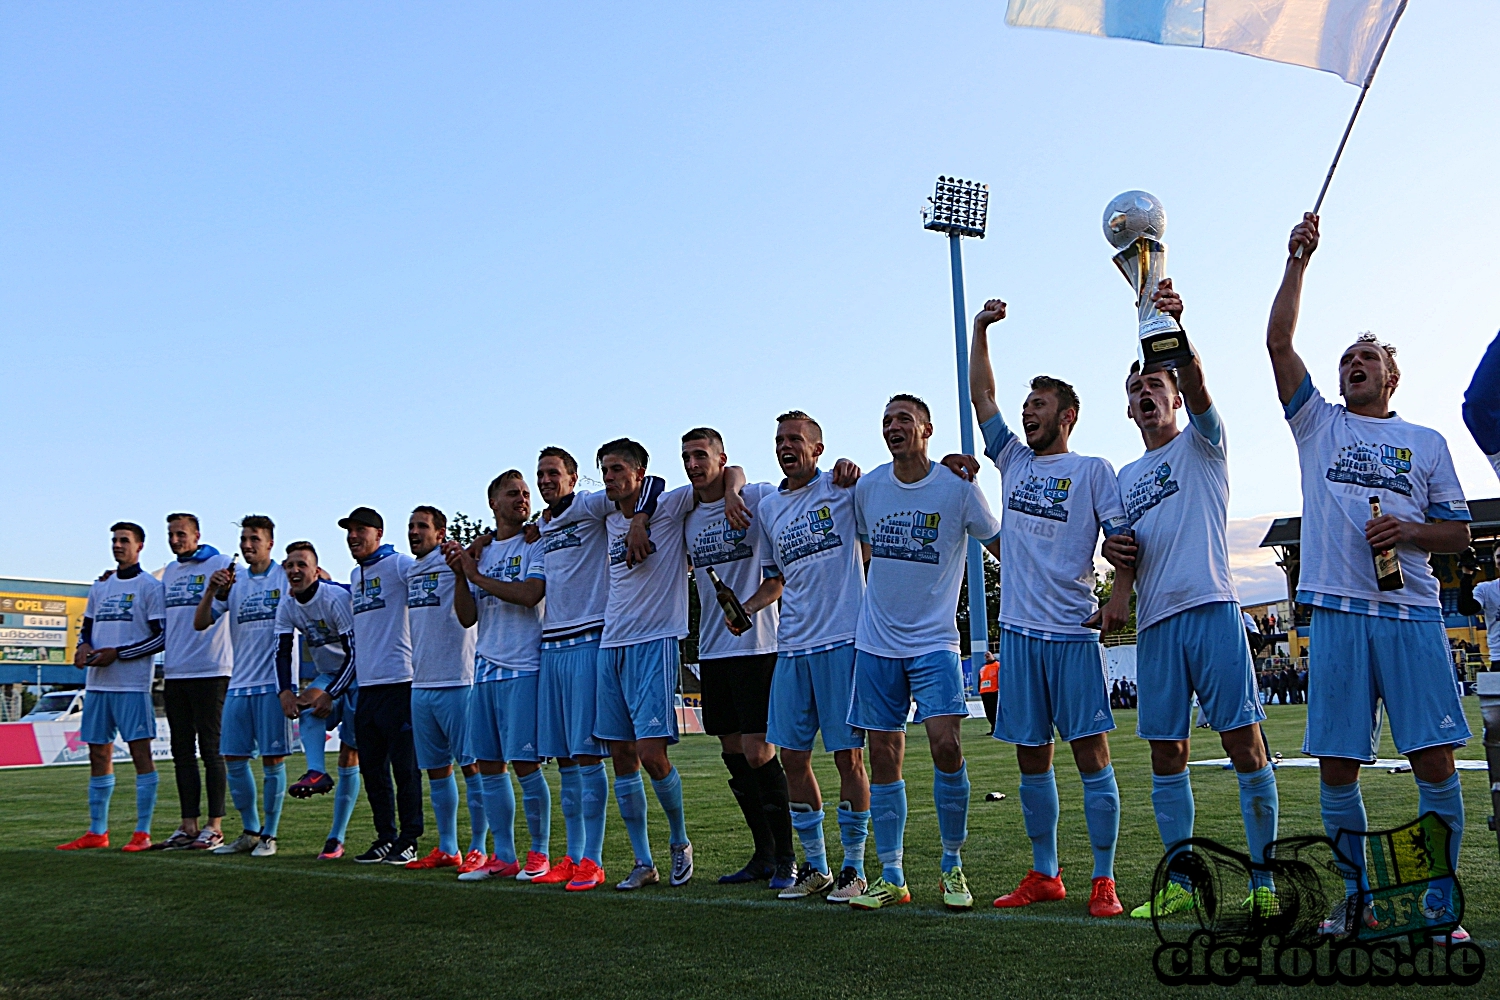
1486,523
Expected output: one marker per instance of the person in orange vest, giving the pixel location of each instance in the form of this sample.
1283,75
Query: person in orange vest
989,687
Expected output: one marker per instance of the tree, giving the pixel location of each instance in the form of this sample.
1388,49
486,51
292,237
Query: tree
463,529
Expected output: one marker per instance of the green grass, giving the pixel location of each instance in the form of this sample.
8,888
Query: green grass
103,924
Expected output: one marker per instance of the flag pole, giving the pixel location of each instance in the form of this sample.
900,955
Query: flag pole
1369,79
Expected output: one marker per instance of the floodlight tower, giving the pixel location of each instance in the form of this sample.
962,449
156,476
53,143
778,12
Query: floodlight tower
959,208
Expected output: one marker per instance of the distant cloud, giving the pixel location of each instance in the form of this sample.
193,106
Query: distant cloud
1257,578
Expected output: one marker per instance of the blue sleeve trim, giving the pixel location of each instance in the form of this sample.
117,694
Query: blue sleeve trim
651,489
1115,526
1482,401
996,436
345,676
865,539
86,633
1300,397
989,541
1452,511
769,573
146,647
1208,424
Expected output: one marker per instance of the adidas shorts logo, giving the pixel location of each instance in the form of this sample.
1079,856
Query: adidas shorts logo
1447,723
654,721
1099,716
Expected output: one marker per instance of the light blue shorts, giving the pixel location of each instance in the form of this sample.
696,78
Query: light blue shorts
1046,683
502,720
811,693
1359,663
565,704
884,688
130,713
440,726
634,699
342,716
254,725
1200,651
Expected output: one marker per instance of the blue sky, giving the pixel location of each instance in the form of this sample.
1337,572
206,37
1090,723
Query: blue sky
288,259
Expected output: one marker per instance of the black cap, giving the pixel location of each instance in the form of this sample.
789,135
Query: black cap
367,516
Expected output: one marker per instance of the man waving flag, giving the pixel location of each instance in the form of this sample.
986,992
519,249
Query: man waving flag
1339,36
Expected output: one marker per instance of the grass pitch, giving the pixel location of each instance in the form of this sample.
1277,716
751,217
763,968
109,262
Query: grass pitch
103,924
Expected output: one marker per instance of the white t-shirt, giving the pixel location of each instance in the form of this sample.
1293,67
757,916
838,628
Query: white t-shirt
1055,506
918,542
1346,459
809,538
1488,596
442,650
510,635
191,653
1177,501
121,610
251,609
735,555
649,600
382,627
327,615
576,545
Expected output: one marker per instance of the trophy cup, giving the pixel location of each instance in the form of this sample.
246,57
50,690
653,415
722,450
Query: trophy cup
1134,223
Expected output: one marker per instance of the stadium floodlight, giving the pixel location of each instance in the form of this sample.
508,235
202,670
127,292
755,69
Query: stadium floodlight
959,208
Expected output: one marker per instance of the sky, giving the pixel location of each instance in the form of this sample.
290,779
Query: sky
292,258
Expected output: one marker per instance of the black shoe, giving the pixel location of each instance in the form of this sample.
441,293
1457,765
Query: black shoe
401,852
755,870
376,854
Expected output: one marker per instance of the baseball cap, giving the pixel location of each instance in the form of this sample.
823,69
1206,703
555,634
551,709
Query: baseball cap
367,516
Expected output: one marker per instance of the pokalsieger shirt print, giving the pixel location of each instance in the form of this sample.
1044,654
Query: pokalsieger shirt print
191,653
442,650
649,600
382,628
122,611
809,537
918,539
735,554
510,635
1177,501
328,614
1054,508
575,544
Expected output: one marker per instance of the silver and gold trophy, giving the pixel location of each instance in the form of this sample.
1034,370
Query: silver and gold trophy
1134,224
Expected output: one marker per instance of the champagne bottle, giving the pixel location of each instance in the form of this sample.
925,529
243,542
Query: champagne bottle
1387,566
733,609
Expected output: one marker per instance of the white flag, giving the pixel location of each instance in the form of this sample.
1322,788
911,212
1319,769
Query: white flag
1339,36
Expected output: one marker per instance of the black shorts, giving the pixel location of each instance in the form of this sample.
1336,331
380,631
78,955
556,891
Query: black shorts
736,693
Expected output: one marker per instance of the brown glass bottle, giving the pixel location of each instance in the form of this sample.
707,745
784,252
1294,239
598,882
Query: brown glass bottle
1387,565
733,609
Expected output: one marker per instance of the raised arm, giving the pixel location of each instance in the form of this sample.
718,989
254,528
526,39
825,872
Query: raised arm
1190,373
1285,361
981,374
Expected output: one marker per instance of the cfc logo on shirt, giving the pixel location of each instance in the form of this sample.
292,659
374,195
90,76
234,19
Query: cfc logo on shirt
368,596
422,591
720,542
1372,465
1041,496
907,535
1150,490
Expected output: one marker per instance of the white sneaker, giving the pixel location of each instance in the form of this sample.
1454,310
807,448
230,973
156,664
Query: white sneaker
846,886
244,844
682,864
809,882
265,848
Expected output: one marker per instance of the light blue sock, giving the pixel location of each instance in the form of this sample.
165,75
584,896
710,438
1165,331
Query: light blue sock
1101,810
101,787
808,822
572,809
1039,809
854,830
536,800
344,797
593,799
950,793
500,810
1172,800
669,794
242,790
1446,798
444,795
1344,810
1260,806
888,814
630,798
274,797
313,732
479,826
145,800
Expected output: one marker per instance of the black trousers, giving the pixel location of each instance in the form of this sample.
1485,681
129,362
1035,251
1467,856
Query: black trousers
195,708
383,722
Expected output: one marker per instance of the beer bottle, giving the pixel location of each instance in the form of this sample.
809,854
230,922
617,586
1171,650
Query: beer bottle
1387,565
733,609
